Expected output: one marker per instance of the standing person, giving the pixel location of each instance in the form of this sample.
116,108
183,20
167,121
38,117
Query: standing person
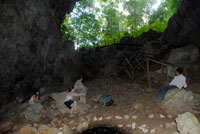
71,102
179,81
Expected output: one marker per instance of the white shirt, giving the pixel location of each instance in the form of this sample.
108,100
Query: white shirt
179,81
31,101
68,97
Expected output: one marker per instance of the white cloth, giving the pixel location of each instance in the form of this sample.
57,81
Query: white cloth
68,97
179,81
31,100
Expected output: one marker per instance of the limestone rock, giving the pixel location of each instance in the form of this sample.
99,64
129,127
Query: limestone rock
134,117
150,116
59,98
33,112
168,125
126,117
27,130
100,118
71,122
44,129
187,123
137,106
120,125
162,116
66,130
35,125
153,130
143,128
6,126
128,125
74,128
82,127
108,118
118,117
184,54
169,116
133,125
33,55
95,119
178,101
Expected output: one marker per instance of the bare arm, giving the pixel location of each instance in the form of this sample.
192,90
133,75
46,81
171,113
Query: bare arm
73,94
73,90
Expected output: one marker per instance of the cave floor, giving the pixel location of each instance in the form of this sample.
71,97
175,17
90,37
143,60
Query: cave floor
133,106
133,102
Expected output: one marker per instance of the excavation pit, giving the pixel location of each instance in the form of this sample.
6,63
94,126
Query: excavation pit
104,130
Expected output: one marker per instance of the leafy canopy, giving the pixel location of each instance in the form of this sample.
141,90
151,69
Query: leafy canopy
104,22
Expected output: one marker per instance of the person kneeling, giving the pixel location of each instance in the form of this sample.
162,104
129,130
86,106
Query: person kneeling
179,81
71,102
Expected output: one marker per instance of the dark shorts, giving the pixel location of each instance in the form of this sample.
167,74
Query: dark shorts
69,103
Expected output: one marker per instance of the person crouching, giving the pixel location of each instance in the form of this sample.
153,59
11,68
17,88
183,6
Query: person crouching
71,102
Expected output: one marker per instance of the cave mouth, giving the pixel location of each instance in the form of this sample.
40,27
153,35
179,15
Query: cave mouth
103,130
95,23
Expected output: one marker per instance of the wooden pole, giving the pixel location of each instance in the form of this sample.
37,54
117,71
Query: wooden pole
167,74
148,74
158,62
186,75
162,69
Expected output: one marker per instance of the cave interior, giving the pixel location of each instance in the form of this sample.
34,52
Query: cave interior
33,57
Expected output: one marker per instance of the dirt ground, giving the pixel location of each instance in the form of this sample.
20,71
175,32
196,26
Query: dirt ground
133,104
130,99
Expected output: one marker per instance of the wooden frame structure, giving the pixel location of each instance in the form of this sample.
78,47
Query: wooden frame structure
164,65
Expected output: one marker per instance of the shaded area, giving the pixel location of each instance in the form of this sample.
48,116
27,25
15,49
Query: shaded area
32,54
103,130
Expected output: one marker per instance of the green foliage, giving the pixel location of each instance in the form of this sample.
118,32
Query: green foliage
159,19
95,23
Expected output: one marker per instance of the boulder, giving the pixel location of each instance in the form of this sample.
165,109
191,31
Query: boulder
27,130
44,129
187,123
33,112
6,126
59,98
178,101
82,127
66,130
186,54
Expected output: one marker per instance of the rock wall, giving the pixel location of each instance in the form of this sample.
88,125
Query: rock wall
184,27
31,52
